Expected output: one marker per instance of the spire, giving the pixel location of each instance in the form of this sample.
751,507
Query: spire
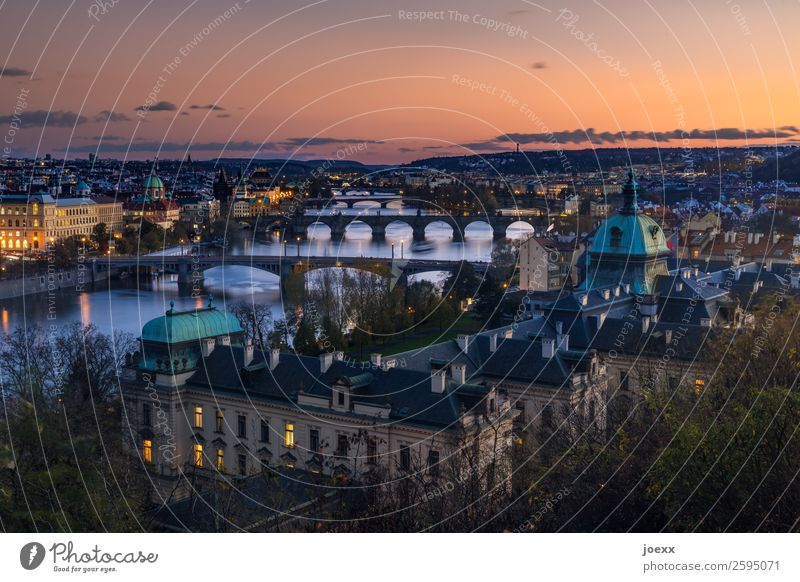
630,193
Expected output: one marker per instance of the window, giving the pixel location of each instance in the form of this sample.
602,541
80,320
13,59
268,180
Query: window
288,435
242,464
616,237
198,417
264,431
405,458
198,455
433,463
342,445
220,460
547,416
220,421
313,440
372,451
699,384
623,381
242,426
340,398
147,450
147,417
521,407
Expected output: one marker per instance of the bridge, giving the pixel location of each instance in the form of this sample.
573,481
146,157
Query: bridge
351,200
190,267
299,225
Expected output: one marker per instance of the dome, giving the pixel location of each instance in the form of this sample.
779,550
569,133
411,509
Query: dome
152,181
187,326
82,186
630,234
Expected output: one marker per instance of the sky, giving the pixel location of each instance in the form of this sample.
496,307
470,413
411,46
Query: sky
390,82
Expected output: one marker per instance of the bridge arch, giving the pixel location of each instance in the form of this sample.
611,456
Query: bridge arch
399,230
479,229
439,229
519,230
318,230
358,230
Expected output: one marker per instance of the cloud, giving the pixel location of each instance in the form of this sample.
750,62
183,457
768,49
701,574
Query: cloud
106,115
41,117
211,107
318,141
15,72
184,113
405,150
590,135
539,65
160,106
154,146
224,115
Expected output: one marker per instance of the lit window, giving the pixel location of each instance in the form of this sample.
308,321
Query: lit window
288,435
220,459
147,450
699,384
198,455
198,417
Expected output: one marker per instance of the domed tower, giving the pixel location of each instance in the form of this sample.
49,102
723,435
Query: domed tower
82,189
153,187
628,247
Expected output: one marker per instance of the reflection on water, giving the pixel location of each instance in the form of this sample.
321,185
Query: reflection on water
127,305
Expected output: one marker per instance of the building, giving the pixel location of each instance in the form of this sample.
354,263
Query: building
201,402
199,210
153,204
32,222
547,263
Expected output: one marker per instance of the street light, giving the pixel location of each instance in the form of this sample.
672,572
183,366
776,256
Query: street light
298,247
402,242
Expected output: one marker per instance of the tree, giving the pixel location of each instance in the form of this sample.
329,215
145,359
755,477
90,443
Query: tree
305,338
100,237
462,283
256,321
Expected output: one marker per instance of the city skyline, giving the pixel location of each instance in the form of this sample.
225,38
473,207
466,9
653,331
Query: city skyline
136,80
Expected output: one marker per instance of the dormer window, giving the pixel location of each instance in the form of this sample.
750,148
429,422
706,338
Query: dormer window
616,236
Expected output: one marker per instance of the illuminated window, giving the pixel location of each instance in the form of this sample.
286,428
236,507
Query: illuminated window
198,455
198,417
699,384
220,421
147,450
288,435
220,459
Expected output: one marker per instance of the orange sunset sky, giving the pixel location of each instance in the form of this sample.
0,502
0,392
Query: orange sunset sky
305,79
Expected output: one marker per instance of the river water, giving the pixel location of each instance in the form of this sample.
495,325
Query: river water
128,304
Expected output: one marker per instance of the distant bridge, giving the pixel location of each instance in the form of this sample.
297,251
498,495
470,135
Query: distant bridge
190,268
299,226
351,200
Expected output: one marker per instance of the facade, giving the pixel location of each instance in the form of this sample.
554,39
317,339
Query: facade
154,204
547,264
32,222
202,403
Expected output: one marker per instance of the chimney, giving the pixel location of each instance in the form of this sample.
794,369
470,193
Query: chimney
769,265
617,291
459,372
627,287
584,299
375,359
645,323
737,274
249,351
508,334
325,361
668,336
606,294
274,358
463,342
559,327
749,238
548,347
679,286
209,344
493,342
758,237
563,341
438,381
776,237
225,340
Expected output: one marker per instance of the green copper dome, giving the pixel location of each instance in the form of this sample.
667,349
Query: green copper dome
153,181
630,234
186,326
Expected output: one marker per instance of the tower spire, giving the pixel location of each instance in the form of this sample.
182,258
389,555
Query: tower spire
630,193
